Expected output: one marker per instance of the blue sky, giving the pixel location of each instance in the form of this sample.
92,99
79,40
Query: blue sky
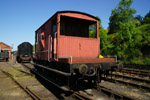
20,18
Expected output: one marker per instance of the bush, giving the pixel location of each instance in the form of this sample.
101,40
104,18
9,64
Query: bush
146,61
140,61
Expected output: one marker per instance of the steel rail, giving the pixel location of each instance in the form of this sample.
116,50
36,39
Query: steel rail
81,96
33,94
23,71
26,66
136,70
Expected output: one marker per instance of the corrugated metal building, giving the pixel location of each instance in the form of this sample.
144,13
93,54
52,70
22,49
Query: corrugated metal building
4,46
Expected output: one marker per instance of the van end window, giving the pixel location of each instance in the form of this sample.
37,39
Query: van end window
42,37
77,27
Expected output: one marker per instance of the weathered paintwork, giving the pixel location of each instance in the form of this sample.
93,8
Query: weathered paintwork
77,47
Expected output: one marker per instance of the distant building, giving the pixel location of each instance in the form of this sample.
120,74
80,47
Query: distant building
6,47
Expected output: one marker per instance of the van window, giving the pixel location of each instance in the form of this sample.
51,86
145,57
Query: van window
77,27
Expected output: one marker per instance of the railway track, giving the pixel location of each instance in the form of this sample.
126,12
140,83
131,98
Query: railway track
83,96
131,81
79,95
128,83
26,80
26,89
140,73
135,78
132,77
74,93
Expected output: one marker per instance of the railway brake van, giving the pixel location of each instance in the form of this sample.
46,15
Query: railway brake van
63,44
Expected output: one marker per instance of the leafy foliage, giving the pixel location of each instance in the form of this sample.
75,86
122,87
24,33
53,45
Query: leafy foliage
144,61
92,31
128,42
146,19
136,22
144,32
129,36
122,13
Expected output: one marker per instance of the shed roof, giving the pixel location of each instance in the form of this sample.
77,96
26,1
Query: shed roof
4,46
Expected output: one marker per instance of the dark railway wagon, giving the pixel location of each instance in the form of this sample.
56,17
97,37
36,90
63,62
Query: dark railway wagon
63,43
4,55
24,52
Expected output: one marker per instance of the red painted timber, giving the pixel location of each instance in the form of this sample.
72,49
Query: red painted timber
77,47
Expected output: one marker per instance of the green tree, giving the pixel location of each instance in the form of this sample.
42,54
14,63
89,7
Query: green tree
124,43
122,13
136,22
103,40
139,18
146,19
129,41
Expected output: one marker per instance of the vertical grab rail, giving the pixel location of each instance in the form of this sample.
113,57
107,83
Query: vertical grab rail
49,48
55,45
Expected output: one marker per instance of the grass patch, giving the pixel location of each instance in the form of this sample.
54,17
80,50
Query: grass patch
127,93
17,75
23,77
14,86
